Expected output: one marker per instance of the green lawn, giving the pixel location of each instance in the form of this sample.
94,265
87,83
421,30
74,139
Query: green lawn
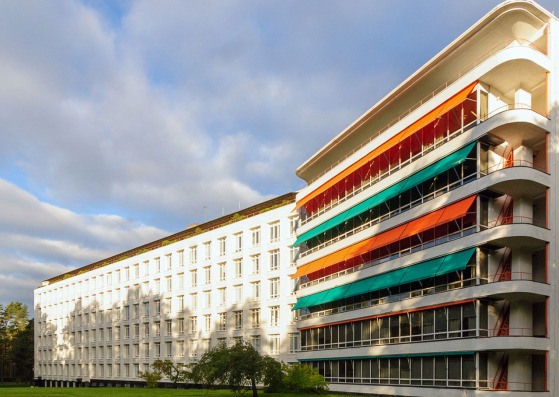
135,392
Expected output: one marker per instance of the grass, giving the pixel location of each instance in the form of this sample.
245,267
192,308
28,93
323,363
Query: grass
136,392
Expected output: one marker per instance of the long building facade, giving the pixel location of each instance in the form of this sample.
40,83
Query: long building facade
428,246
218,282
419,260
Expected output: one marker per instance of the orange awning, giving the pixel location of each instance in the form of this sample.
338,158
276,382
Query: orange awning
408,131
429,221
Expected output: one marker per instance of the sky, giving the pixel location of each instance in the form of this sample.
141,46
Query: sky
124,121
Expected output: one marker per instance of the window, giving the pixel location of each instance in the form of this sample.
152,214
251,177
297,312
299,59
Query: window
180,348
222,296
126,314
180,303
145,266
136,311
255,286
168,327
145,349
157,286
274,232
194,301
136,271
206,345
208,274
255,342
238,292
168,284
157,265
136,331
274,287
169,349
238,319
193,324
180,278
157,326
222,323
207,299
168,305
293,343
169,260
146,309
274,344
146,330
293,223
157,349
207,322
180,326
255,262
238,238
180,257
255,233
193,254
126,274
208,250
293,252
222,246
136,350
157,305
126,332
274,260
193,278
222,273
238,264
193,347
274,316
255,318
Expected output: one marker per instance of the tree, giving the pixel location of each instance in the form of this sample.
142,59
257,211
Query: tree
13,320
177,372
151,378
237,367
22,353
300,378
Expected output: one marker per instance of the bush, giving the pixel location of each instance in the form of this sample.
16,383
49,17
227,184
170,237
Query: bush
300,378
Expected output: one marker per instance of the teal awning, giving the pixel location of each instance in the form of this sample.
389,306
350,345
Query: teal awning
434,267
419,177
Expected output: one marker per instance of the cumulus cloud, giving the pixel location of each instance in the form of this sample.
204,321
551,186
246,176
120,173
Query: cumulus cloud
119,115
39,240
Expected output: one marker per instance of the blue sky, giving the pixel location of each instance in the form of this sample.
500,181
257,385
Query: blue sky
121,120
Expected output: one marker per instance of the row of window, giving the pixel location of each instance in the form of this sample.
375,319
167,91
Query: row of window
440,371
457,321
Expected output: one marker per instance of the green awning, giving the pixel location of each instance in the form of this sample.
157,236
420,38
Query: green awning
434,267
419,177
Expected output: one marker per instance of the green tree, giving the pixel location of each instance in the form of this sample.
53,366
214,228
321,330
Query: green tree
151,378
237,367
299,378
13,320
22,353
176,372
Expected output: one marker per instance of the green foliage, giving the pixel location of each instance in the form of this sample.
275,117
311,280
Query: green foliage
299,378
272,375
238,367
13,322
176,372
151,378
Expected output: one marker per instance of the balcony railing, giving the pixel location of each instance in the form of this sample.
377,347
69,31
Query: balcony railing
510,42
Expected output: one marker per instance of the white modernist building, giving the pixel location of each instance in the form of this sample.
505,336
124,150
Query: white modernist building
428,237
221,281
